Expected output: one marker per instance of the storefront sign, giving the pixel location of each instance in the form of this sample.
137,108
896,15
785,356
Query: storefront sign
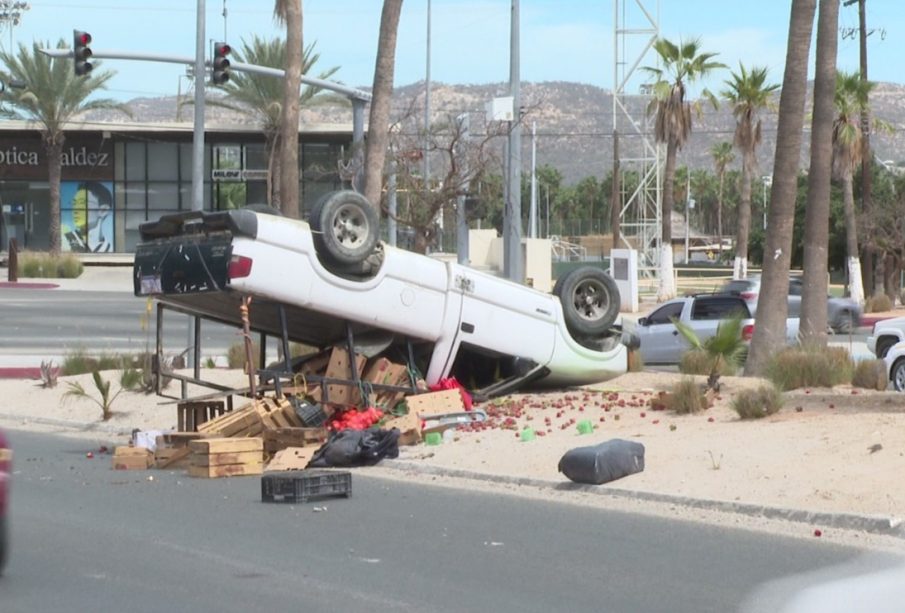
81,159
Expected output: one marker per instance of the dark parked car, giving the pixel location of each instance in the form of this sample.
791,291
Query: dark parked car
6,457
843,314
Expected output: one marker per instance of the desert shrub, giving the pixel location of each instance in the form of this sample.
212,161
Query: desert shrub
756,403
635,361
870,374
49,373
43,265
698,362
79,362
235,355
69,266
878,303
687,397
795,367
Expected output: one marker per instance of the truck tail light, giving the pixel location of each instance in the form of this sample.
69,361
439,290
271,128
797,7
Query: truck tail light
239,266
747,332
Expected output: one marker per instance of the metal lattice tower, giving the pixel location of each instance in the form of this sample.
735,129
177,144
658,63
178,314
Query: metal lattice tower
635,29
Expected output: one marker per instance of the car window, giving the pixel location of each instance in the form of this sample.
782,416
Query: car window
794,287
665,313
718,308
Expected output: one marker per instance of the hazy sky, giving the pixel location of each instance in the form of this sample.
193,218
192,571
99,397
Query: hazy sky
570,40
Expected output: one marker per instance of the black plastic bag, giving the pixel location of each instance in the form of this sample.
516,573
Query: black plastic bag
357,448
602,463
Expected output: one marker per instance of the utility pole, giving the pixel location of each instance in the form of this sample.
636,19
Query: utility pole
512,241
532,224
198,130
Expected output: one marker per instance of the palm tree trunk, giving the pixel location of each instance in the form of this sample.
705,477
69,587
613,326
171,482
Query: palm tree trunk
719,215
855,285
867,161
770,331
289,120
271,142
667,286
54,147
740,268
817,213
382,93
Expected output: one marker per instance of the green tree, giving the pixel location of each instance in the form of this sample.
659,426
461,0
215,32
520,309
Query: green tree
852,97
683,64
261,96
748,92
289,13
53,96
726,347
722,156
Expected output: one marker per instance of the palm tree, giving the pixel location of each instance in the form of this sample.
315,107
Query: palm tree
852,97
289,12
725,348
722,157
261,96
748,93
773,308
382,93
53,96
683,64
812,330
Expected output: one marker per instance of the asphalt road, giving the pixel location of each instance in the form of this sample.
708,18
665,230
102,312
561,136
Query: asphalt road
54,323
86,538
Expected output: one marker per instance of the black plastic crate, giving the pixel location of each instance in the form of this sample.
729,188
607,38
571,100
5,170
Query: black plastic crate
303,485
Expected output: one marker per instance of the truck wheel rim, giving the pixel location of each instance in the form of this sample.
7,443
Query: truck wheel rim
590,300
899,381
350,226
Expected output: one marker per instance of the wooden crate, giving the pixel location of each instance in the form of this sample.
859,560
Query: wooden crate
131,458
226,457
191,414
173,449
281,438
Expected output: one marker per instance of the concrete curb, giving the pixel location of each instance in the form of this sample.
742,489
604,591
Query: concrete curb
71,425
875,524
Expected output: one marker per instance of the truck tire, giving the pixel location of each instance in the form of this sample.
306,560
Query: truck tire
345,227
590,301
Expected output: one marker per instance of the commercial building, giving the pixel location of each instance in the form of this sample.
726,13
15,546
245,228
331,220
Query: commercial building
115,177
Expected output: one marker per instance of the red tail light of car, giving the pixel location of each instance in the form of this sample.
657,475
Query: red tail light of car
748,295
747,332
239,266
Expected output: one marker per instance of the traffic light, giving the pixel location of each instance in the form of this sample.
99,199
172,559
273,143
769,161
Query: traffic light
220,73
81,52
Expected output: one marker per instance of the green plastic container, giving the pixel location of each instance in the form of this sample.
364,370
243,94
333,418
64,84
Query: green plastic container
527,434
433,438
585,426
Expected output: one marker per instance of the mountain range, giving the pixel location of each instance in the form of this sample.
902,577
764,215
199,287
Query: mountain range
574,122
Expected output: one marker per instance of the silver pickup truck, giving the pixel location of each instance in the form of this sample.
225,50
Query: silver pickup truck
322,281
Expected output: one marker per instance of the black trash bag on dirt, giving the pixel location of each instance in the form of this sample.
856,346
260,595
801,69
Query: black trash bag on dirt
357,448
614,459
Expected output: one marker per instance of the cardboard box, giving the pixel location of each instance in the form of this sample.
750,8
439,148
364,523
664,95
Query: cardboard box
409,428
340,368
291,458
395,374
131,458
435,403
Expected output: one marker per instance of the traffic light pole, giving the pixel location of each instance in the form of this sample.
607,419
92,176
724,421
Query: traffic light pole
358,97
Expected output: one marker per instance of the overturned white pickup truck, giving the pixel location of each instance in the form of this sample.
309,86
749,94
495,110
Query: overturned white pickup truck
324,282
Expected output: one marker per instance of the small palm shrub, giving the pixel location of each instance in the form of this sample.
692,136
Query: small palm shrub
725,348
105,397
698,362
878,303
796,367
757,403
870,374
687,397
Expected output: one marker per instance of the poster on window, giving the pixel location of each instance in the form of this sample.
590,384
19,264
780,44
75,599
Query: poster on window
86,216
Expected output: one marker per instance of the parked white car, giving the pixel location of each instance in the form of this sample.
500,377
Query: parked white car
319,283
885,334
